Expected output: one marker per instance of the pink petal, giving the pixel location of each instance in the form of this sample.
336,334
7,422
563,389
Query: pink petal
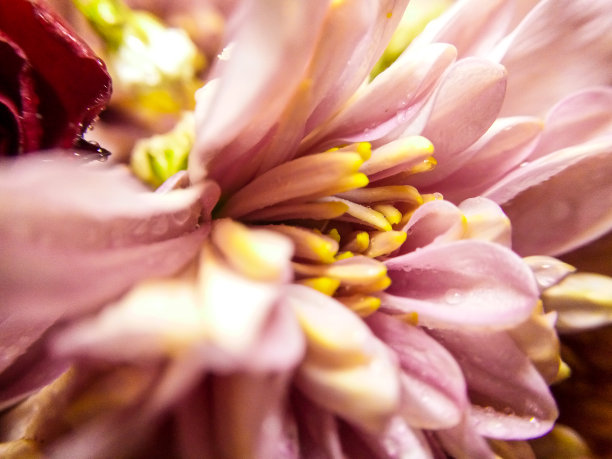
561,201
88,234
266,55
377,104
338,80
510,399
472,26
318,429
503,147
28,374
463,441
461,283
560,47
576,119
432,223
466,104
434,392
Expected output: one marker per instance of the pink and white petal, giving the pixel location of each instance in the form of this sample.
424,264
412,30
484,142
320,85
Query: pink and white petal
548,271
376,107
465,105
433,389
384,16
579,181
473,283
318,429
249,419
486,221
560,47
18,335
464,442
268,49
472,26
502,148
432,223
399,439
347,370
510,400
28,374
576,119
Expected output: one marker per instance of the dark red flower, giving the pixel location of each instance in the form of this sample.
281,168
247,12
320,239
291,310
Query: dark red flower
52,85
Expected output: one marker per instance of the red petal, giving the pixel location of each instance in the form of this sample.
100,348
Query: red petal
71,82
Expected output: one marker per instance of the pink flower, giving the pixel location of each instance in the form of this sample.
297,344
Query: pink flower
297,295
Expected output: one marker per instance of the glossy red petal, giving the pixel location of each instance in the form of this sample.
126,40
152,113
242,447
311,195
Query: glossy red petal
71,82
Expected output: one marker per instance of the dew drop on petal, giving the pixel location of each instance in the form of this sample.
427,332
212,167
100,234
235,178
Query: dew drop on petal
453,296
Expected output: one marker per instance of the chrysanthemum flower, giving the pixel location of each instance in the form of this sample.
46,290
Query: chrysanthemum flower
295,294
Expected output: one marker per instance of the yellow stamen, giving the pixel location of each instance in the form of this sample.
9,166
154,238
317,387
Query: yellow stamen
358,242
397,193
362,305
305,211
248,251
308,244
325,285
299,180
363,215
405,152
334,234
357,270
390,212
344,255
385,242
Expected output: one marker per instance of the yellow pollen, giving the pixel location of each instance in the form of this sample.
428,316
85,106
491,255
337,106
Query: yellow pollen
358,242
334,234
389,15
362,305
391,213
411,318
364,149
325,285
344,255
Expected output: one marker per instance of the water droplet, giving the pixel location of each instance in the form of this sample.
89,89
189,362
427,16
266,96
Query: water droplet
453,296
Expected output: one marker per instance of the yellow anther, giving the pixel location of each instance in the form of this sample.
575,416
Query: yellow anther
385,242
390,212
411,318
376,285
365,150
362,305
425,166
358,242
308,244
344,255
355,271
325,285
334,234
394,193
363,215
305,211
251,252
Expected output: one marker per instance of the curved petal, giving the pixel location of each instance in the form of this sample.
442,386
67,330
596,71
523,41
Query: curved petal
510,399
347,370
433,390
432,223
412,76
576,119
87,236
461,283
580,180
270,44
66,112
502,148
472,26
464,107
566,43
